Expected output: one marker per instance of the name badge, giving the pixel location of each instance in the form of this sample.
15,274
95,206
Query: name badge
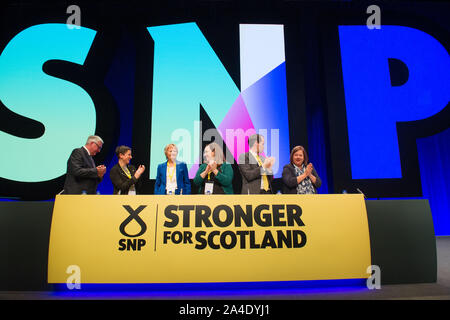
209,187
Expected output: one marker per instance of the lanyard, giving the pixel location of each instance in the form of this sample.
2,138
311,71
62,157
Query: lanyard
127,172
170,174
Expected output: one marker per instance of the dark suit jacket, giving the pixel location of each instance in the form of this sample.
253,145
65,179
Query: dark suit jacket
121,181
81,173
290,180
251,174
182,178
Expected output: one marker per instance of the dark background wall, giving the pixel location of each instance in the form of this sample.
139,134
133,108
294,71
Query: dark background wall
114,76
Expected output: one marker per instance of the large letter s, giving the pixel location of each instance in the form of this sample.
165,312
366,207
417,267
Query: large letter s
66,110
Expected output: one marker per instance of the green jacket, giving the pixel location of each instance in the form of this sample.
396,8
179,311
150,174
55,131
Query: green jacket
224,176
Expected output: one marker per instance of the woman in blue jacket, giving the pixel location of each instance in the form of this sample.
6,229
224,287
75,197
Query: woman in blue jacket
172,176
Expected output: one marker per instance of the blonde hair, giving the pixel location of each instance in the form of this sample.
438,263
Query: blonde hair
166,149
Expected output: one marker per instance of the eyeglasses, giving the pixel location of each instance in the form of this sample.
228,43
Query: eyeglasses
99,147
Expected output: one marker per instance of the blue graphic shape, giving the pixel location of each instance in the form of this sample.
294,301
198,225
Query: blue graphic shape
373,106
434,161
266,102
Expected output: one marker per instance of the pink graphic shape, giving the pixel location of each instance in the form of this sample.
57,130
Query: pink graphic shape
234,129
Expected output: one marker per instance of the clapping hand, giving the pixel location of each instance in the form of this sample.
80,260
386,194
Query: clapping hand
268,162
139,171
309,169
101,170
212,165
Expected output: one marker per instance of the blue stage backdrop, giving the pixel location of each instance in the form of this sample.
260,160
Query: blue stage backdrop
434,158
370,105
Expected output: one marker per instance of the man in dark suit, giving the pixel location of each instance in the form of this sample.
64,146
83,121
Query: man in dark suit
82,174
256,170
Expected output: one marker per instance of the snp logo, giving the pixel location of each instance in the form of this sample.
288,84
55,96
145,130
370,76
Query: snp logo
137,243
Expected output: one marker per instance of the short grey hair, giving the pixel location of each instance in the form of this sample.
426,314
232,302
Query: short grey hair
95,139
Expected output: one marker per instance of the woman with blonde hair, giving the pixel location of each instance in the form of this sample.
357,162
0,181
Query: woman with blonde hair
214,176
172,176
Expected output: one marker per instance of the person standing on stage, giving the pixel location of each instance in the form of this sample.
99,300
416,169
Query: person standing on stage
299,176
256,170
172,176
82,174
123,175
214,176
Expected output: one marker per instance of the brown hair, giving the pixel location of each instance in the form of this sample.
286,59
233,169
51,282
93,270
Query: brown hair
121,150
305,155
218,152
254,138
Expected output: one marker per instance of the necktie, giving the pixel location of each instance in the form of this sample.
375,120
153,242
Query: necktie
264,177
92,162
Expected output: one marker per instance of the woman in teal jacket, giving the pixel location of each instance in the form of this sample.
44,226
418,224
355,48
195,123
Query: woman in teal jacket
214,176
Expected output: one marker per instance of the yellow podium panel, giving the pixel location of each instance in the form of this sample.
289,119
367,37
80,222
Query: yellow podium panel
216,238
